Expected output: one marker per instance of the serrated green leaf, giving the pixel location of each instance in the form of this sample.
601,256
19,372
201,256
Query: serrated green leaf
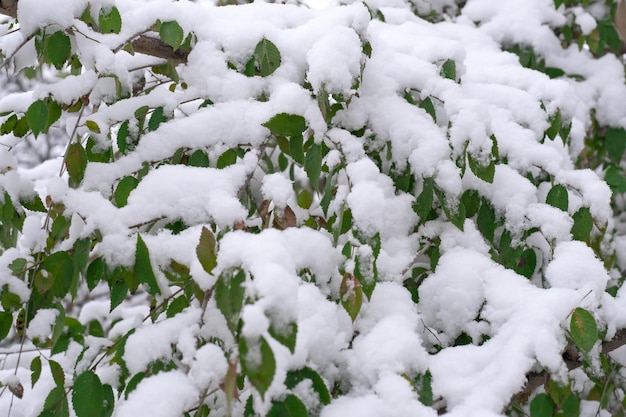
123,190
6,321
583,329
172,34
229,296
57,373
33,203
37,117
58,49
18,266
313,164
558,197
266,57
143,268
583,224
541,406
76,163
296,147
156,119
110,21
258,363
56,403
88,395
319,386
286,335
285,124
35,370
291,406
206,250
351,294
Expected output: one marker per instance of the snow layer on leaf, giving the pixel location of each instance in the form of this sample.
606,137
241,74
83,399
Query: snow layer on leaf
167,394
154,341
33,14
576,267
40,326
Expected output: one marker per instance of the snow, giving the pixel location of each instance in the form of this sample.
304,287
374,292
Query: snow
516,324
40,327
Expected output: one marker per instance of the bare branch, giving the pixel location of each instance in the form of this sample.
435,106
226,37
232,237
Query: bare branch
144,44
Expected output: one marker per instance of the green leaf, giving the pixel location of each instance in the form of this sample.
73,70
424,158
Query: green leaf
18,266
257,363
35,370
60,270
93,126
58,49
56,403
54,112
227,158
484,172
6,321
110,21
424,202
527,263
313,165
172,34
583,329
455,214
427,105
199,159
424,388
615,140
583,224
37,117
229,295
156,119
123,190
143,268
266,57
95,273
109,401
571,406
286,335
285,124
76,163
177,305
296,146
291,406
88,395
206,250
541,406
33,203
351,294
57,373
305,199
119,290
557,197
319,386
448,69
